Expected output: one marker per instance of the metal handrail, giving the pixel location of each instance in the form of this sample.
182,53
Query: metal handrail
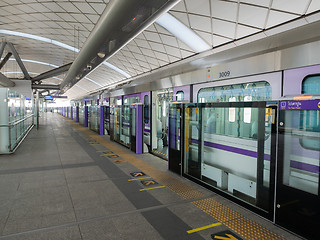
17,122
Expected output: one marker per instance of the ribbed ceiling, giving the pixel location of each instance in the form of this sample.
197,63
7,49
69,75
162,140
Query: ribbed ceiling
70,22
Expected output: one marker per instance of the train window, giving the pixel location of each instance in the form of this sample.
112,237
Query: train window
311,85
180,96
146,109
259,91
236,122
310,120
232,111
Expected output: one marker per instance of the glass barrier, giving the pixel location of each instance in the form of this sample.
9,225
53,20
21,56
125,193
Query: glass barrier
94,118
228,146
16,118
81,115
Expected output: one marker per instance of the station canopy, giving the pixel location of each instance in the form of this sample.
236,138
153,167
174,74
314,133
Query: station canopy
50,34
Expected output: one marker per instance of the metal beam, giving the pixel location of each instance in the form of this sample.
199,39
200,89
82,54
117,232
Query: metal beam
19,61
2,45
6,82
52,73
45,86
5,59
121,21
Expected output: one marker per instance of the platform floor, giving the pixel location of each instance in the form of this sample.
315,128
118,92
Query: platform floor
66,182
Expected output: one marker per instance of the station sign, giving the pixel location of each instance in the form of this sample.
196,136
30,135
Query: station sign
300,105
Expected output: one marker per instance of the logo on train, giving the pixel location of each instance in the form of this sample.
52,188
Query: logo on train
283,105
318,104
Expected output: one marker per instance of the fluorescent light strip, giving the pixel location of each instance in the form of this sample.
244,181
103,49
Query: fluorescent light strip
117,69
42,39
183,33
38,74
60,44
33,61
51,65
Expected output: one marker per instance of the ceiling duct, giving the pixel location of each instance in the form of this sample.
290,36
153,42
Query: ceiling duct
121,21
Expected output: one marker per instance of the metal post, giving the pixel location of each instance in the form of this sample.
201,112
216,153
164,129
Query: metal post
37,110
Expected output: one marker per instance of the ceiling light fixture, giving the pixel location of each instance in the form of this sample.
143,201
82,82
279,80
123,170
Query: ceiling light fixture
183,33
101,54
57,43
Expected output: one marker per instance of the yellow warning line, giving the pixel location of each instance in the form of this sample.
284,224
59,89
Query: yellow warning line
135,179
204,227
146,189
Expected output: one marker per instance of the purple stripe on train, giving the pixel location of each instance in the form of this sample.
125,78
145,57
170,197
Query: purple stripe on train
304,166
241,151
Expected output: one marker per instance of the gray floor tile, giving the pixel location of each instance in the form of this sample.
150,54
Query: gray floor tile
100,230
67,233
135,226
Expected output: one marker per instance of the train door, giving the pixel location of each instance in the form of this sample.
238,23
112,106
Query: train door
297,199
133,116
175,134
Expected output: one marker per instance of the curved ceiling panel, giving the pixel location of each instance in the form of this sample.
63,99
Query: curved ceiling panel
70,22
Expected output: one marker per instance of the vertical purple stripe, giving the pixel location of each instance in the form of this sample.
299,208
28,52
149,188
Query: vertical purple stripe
67,112
77,114
101,120
86,116
71,108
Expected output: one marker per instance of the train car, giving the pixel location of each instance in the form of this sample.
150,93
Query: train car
246,127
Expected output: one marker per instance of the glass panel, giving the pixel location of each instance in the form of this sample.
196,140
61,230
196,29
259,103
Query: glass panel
301,150
146,109
81,115
257,91
117,124
94,118
133,121
192,140
174,130
311,85
233,157
180,96
160,120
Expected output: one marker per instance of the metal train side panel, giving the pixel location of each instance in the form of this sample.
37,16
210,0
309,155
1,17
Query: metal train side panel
293,79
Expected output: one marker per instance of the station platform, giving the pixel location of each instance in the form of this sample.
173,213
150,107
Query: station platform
67,182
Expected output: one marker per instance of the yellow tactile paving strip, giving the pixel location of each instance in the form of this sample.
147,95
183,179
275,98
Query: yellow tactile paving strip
230,218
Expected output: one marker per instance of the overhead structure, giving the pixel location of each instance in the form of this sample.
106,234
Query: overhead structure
5,59
121,21
52,73
5,82
18,59
54,32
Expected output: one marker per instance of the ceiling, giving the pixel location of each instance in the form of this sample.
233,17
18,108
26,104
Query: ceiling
70,22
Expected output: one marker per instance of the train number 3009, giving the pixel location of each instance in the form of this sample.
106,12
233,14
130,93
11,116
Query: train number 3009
224,74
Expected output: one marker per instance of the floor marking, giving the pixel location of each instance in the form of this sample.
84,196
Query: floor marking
137,174
119,161
203,228
225,235
135,179
149,182
146,189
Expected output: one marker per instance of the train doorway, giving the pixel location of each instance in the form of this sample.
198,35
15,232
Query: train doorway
175,137
160,121
298,201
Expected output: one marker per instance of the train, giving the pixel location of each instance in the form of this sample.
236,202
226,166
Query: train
248,128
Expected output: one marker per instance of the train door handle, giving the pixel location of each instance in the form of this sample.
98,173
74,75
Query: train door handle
278,206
